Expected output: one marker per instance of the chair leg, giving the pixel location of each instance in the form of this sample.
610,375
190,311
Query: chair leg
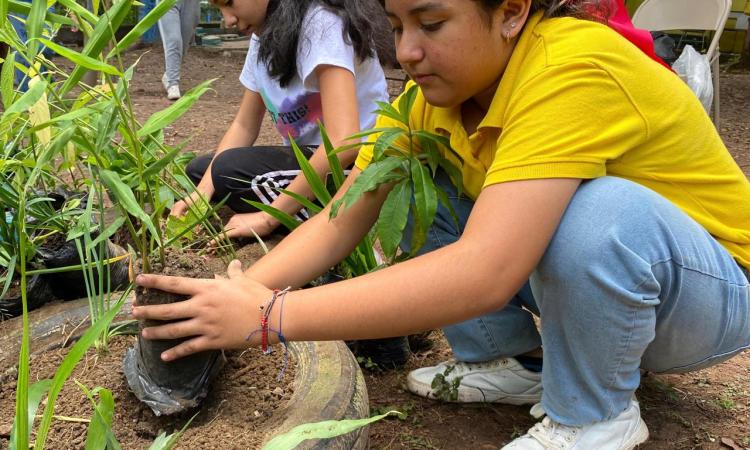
716,92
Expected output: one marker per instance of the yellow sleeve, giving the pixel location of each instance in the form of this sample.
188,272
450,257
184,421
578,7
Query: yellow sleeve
365,154
567,121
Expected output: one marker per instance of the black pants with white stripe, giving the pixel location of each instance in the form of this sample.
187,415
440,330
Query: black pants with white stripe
252,173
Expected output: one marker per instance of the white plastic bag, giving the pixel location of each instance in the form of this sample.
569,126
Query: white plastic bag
695,70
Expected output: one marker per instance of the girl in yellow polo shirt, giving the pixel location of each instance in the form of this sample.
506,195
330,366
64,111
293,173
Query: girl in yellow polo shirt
599,196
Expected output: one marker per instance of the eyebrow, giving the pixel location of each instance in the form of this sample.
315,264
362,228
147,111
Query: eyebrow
425,7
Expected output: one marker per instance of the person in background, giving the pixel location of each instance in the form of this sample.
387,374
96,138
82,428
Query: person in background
177,28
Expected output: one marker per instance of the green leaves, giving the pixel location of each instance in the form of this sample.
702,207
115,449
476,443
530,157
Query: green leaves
393,218
167,116
142,26
399,155
125,197
81,59
320,430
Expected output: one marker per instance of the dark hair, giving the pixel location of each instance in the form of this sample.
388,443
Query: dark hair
596,10
279,38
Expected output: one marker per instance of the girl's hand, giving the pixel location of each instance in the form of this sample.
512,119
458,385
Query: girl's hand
220,314
243,225
198,195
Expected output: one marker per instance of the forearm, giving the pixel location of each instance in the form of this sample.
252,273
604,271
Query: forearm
428,292
320,243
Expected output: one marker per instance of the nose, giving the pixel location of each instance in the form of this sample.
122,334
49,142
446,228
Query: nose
408,49
229,19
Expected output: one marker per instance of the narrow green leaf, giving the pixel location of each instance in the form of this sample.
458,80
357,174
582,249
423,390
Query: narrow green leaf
374,175
337,172
36,392
81,59
393,217
101,421
24,8
442,140
384,142
167,116
29,97
80,10
3,8
66,368
425,204
317,185
320,430
365,133
142,26
110,20
406,102
126,199
34,24
302,200
159,165
387,110
285,219
6,79
108,232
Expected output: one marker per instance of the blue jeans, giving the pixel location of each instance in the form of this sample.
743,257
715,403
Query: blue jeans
628,281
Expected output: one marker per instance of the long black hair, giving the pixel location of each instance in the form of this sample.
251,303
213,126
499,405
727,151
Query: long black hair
280,35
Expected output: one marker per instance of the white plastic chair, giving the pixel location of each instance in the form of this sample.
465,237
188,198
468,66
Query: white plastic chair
706,15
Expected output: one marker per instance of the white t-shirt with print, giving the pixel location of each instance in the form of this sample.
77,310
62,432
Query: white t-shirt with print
296,108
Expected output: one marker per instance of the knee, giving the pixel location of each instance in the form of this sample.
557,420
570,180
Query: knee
597,229
226,173
197,167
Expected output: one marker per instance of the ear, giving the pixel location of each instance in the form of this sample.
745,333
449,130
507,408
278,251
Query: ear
513,16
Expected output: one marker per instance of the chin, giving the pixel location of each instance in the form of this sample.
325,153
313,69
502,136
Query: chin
439,99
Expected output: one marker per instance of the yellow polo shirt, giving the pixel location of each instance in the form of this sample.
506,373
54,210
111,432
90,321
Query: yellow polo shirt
578,100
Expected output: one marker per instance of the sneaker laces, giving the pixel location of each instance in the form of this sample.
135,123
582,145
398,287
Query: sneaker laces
550,434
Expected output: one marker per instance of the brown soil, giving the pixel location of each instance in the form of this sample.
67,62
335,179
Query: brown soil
222,422
709,409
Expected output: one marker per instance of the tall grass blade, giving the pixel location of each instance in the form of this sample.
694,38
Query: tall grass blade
81,59
109,21
316,183
285,219
167,116
337,172
36,392
34,25
66,368
24,9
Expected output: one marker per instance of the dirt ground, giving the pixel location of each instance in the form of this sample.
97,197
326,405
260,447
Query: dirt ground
705,410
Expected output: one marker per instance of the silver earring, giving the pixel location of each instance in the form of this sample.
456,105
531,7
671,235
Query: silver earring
512,24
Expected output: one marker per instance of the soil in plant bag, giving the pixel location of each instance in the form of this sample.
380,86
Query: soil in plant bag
170,387
245,403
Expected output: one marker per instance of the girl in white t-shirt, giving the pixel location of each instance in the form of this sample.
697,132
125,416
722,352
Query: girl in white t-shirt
309,61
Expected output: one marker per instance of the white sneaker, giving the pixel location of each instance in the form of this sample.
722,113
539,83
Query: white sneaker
165,81
624,432
173,92
499,381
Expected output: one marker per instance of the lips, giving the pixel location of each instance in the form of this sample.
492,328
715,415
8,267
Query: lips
423,78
